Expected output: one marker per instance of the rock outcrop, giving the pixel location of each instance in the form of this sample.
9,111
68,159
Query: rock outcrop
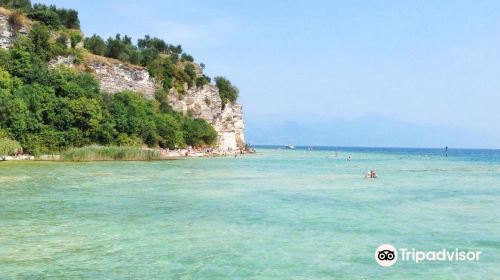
205,103
8,34
62,61
115,76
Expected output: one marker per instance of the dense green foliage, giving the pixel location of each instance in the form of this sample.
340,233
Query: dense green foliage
51,110
54,17
50,16
94,152
8,146
228,92
24,5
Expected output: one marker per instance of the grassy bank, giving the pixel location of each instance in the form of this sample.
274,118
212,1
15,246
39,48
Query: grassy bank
95,153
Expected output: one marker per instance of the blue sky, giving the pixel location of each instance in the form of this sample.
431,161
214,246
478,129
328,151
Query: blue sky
433,64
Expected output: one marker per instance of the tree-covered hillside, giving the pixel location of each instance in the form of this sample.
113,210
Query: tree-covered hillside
48,110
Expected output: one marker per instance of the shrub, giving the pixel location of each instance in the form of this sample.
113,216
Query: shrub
7,147
54,17
227,92
16,21
187,57
198,132
203,80
96,45
62,40
24,5
75,37
46,17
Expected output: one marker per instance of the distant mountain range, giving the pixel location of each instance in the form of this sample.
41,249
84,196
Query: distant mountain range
368,131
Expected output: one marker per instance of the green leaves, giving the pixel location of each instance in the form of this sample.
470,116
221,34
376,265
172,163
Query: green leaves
53,17
96,45
8,146
227,92
198,132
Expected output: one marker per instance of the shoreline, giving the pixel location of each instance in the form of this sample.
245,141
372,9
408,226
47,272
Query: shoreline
162,154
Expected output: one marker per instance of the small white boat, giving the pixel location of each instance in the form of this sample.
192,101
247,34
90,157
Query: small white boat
290,146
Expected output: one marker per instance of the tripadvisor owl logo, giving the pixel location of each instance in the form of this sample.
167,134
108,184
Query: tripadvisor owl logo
386,255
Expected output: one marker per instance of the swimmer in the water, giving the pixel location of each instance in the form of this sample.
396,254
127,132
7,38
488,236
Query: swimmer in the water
371,174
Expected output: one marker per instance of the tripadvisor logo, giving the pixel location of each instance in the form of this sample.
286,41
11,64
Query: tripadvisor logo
387,255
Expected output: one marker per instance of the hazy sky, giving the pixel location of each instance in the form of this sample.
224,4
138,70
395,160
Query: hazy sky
433,63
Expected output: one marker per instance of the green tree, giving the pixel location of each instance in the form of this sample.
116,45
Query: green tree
69,18
203,80
6,82
190,71
87,113
170,133
134,115
152,43
24,5
227,92
39,36
47,17
54,17
187,57
198,132
96,45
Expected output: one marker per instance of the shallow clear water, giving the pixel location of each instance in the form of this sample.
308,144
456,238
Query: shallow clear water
273,215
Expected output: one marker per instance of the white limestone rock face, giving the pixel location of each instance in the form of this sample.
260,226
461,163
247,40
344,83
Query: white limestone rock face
205,103
199,102
67,61
116,77
78,45
239,124
231,126
7,32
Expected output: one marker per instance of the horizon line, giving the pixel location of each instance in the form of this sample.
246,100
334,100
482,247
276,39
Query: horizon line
373,147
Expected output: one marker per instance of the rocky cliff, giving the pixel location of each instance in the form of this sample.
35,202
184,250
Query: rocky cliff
205,102
198,102
114,76
8,33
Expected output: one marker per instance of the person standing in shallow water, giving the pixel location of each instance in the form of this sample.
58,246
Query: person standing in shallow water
371,174
446,151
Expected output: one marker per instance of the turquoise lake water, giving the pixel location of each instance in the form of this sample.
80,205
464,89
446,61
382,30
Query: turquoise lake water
278,214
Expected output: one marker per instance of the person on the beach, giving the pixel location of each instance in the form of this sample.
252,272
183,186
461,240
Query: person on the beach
349,158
